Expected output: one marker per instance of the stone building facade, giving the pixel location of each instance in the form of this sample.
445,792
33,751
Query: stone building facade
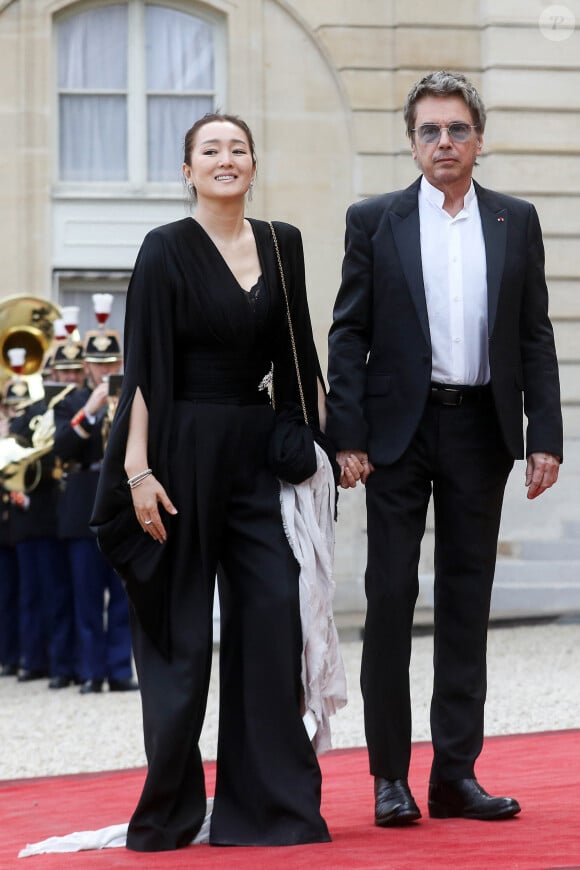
321,83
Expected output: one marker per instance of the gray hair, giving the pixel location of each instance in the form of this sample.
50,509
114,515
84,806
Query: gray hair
444,84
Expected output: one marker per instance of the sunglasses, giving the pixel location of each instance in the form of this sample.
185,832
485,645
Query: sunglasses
431,133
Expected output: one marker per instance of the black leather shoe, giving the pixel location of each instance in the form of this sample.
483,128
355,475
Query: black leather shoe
25,676
394,803
466,799
123,685
91,686
8,671
60,682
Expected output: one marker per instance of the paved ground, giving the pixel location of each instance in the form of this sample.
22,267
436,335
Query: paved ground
534,685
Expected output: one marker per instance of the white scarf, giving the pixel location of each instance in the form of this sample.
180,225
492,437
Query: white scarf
308,517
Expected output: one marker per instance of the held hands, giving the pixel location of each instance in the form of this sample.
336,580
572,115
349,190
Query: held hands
354,466
146,499
541,473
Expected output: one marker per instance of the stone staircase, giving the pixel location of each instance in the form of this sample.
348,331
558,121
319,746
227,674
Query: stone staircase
541,575
533,577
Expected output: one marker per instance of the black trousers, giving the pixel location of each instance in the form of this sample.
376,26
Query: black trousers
268,778
459,457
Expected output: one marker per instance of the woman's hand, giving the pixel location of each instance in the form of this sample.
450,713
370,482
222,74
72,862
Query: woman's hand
147,497
354,466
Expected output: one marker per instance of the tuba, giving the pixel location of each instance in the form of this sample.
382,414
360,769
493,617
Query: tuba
27,322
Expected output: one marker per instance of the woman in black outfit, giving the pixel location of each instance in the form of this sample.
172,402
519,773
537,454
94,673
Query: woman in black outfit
205,321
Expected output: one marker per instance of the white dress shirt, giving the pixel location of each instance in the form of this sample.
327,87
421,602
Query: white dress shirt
454,274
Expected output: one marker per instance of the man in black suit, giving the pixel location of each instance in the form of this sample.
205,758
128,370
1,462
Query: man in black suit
440,328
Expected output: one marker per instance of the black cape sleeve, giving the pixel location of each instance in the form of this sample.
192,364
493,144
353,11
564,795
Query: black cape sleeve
148,343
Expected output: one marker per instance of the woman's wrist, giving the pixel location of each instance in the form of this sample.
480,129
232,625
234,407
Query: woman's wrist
135,461
139,478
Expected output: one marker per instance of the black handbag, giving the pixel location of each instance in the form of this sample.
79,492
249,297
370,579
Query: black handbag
291,450
136,558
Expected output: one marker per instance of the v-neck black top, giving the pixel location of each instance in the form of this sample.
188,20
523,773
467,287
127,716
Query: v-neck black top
191,330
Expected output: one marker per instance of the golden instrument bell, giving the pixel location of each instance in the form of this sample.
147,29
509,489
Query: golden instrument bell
27,322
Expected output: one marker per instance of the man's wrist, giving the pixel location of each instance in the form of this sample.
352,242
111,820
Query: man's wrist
81,421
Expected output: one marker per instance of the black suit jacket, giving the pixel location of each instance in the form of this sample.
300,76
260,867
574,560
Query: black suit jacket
380,346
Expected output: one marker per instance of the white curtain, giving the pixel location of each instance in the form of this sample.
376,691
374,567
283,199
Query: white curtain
93,140
92,59
93,81
179,51
168,118
179,60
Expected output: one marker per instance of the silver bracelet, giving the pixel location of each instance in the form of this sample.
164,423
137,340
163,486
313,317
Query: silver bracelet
134,481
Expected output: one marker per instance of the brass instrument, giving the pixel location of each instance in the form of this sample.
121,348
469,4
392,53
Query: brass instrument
20,468
27,322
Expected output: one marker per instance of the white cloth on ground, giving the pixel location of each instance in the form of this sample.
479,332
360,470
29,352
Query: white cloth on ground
105,838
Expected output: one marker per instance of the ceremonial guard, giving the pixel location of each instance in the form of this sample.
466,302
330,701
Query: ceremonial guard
81,421
9,644
67,373
41,559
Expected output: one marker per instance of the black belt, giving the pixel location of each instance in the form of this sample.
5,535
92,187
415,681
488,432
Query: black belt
449,396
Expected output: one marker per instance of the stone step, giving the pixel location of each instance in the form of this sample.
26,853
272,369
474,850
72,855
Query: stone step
571,529
564,549
538,586
544,587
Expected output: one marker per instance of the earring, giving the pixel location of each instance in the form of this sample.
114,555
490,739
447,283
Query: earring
192,191
251,191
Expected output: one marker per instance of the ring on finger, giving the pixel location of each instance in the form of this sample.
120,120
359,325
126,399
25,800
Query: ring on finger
148,522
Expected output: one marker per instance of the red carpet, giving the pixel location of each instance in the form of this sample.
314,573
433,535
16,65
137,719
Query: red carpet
541,770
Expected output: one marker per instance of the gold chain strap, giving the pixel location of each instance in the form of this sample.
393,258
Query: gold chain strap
291,330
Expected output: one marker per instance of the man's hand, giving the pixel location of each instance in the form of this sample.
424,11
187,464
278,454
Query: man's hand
98,398
20,499
354,466
541,473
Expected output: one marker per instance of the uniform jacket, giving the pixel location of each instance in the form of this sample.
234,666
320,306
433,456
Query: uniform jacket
39,520
80,458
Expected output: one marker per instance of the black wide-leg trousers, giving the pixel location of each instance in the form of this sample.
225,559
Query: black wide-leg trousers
458,456
268,779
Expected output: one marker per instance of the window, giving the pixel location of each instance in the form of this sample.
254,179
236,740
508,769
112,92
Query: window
132,77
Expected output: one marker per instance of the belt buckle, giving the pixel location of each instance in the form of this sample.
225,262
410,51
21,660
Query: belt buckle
458,397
